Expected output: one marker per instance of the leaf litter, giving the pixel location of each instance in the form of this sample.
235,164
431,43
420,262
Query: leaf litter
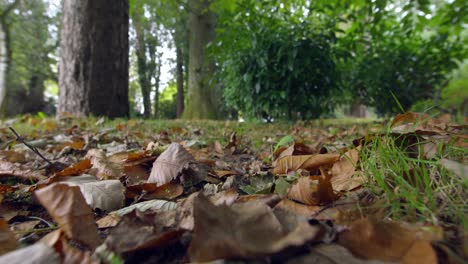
202,191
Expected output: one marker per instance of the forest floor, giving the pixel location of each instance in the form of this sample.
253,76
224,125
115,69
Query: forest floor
142,191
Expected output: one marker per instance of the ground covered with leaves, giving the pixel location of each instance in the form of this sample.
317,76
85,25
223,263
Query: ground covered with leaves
97,191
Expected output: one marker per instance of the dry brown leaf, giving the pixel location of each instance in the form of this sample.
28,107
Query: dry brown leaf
69,254
293,150
269,199
12,156
7,238
73,255
10,169
421,124
241,231
149,191
5,188
331,254
37,253
75,169
225,173
136,174
297,208
387,241
313,190
69,209
225,197
148,231
170,164
306,162
105,169
109,220
343,173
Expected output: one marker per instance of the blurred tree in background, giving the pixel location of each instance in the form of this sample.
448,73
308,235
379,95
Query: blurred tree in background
32,55
263,59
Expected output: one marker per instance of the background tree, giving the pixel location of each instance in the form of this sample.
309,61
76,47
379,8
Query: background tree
201,67
32,46
5,49
94,58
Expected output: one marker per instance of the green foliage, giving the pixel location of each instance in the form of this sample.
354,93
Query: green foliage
404,49
455,94
276,63
167,102
33,46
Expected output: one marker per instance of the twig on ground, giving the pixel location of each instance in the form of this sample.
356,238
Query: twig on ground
34,149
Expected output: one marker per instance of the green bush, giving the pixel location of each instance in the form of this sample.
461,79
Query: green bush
276,64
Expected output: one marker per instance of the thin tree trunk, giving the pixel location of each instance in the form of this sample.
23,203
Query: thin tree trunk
156,90
179,81
143,77
5,56
94,58
202,21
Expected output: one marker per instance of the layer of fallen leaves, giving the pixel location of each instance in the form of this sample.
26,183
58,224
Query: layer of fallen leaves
199,192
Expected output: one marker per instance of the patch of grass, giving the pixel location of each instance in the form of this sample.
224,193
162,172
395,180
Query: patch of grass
414,188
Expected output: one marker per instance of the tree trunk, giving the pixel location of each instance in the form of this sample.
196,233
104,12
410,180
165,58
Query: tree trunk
157,81
179,81
35,102
202,21
143,76
5,56
93,73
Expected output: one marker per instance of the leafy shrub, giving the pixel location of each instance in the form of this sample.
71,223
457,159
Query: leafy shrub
275,63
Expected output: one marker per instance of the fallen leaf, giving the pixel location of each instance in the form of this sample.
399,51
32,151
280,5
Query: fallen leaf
136,174
269,199
312,190
387,241
241,231
69,254
11,169
225,173
109,220
7,238
343,173
107,195
37,253
306,162
459,169
69,209
21,227
170,164
75,169
331,254
150,191
12,156
225,197
297,208
293,150
105,169
148,231
148,205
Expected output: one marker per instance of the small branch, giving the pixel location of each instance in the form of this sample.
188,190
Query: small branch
34,149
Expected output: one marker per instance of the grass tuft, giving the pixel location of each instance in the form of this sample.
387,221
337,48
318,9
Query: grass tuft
414,188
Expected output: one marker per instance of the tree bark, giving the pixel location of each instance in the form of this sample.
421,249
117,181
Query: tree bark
179,81
200,104
157,82
5,56
93,72
143,76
